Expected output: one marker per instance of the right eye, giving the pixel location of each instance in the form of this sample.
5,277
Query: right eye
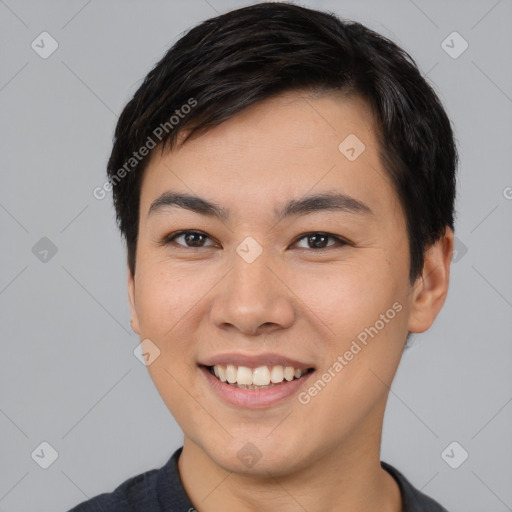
192,239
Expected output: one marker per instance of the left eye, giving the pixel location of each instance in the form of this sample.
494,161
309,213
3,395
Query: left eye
319,240
195,239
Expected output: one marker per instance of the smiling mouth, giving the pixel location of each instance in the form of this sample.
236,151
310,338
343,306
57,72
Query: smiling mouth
263,377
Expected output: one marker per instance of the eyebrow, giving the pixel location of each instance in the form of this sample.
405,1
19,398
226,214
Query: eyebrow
327,201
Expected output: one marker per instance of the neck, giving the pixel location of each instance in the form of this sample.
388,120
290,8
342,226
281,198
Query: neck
345,477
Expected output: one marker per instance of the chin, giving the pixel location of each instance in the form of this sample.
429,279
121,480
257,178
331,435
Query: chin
258,456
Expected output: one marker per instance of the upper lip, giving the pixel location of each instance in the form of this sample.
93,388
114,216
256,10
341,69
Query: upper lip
254,361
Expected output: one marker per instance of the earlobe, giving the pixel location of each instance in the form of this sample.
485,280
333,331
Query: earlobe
431,288
134,322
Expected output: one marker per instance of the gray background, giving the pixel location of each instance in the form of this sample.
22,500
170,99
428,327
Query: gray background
68,373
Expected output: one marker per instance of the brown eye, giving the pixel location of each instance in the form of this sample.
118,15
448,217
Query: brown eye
319,240
191,239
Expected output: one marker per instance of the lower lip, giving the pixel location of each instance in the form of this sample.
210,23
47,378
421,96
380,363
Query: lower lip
254,398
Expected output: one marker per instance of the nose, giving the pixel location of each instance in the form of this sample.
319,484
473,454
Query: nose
253,299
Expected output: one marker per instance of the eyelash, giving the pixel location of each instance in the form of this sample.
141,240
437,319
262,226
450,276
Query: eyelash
171,237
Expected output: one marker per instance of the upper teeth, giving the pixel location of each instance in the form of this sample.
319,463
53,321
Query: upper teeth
261,376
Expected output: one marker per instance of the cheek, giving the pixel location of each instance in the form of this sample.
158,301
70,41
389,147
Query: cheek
164,298
350,295
361,355
364,306
168,303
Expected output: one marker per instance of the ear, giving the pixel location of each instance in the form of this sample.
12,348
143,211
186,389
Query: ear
131,297
430,289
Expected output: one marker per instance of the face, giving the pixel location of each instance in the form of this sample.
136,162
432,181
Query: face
291,263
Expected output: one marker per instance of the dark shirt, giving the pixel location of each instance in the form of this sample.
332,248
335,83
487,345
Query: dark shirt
161,490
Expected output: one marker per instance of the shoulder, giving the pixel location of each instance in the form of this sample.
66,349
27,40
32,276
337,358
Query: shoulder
138,492
152,491
143,492
413,499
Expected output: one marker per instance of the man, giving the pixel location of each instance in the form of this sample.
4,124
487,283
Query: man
285,183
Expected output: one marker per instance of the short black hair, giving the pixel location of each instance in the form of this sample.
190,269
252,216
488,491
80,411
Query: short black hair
235,60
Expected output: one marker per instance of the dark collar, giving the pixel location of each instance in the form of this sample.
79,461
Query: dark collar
412,499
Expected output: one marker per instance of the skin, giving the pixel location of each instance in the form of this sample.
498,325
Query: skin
294,299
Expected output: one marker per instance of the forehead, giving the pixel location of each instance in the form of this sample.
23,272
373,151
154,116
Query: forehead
276,150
